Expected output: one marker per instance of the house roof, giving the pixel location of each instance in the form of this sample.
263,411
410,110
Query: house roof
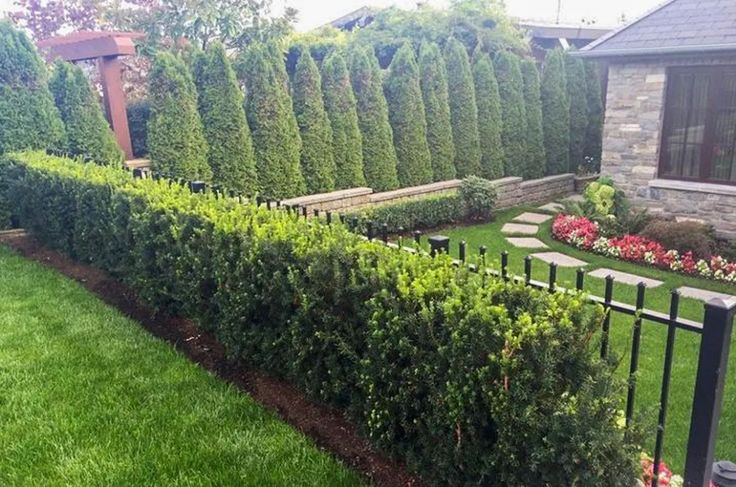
545,30
674,27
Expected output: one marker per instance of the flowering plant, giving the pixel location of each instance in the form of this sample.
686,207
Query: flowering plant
665,477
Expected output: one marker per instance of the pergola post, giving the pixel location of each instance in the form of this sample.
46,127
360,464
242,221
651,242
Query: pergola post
114,97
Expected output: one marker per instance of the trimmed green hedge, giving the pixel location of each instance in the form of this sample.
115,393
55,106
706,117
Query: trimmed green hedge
471,380
415,214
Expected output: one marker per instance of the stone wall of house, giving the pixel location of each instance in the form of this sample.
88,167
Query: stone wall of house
631,141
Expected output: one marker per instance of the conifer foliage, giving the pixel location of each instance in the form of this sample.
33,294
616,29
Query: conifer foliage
536,160
489,116
379,156
594,132
87,131
576,94
176,140
433,82
317,160
28,117
406,114
555,113
220,102
513,112
347,144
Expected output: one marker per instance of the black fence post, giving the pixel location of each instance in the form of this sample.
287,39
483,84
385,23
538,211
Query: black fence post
715,345
552,277
635,345
304,212
384,233
137,173
607,298
369,229
461,251
580,279
315,212
328,217
438,244
527,269
197,186
505,265
417,237
482,252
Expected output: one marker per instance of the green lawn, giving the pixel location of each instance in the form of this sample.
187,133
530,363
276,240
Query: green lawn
87,397
653,335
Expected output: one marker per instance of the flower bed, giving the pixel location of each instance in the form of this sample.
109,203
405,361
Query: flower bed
584,234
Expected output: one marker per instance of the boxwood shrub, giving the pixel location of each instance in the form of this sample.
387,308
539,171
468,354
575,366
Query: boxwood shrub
470,380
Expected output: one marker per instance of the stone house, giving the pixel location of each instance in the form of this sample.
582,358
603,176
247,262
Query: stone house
669,139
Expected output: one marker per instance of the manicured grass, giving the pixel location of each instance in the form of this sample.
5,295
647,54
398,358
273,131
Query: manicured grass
87,397
653,335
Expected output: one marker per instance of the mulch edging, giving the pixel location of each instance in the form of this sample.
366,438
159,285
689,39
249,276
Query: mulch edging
325,425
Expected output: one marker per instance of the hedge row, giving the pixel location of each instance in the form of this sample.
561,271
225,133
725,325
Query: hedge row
471,380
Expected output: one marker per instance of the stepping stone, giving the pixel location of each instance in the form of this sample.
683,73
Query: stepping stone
561,260
526,243
624,277
535,218
519,229
552,207
703,295
576,197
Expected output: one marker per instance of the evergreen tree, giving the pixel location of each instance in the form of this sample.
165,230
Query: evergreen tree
555,113
513,114
576,95
536,160
463,109
28,117
220,101
489,116
317,160
87,130
594,133
271,119
379,155
176,140
340,104
433,80
406,114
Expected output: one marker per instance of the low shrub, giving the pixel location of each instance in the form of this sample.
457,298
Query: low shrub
138,114
429,212
685,236
470,380
479,197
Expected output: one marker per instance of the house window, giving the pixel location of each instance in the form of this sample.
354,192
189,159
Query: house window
699,132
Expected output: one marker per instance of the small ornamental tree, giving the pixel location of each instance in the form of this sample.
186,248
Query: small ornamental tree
577,96
176,142
489,116
555,113
317,160
406,114
433,81
87,131
594,133
220,102
28,117
347,143
273,125
536,160
379,155
463,109
513,113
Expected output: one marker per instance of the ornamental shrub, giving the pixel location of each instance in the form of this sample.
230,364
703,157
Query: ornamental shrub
684,236
577,96
271,119
536,159
138,114
28,117
463,109
220,103
555,113
340,103
379,155
513,113
317,160
433,81
175,139
489,116
87,131
413,214
406,114
593,145
479,198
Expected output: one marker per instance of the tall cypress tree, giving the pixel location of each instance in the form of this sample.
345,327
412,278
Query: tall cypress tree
220,102
513,113
576,94
489,116
28,117
433,81
271,119
379,155
406,114
175,135
87,130
347,143
536,160
463,109
555,113
594,132
317,160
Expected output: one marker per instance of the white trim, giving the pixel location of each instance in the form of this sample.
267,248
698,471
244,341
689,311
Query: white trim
693,186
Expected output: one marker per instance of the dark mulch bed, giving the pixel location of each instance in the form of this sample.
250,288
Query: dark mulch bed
326,426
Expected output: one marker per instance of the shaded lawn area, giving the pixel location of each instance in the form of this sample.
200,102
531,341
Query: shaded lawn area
653,334
87,397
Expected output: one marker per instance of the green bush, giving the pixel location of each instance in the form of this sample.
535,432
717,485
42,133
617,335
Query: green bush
87,131
685,236
413,214
490,122
536,159
479,198
555,113
470,379
513,113
577,97
138,114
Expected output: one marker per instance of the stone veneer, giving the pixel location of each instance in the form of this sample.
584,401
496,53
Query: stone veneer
631,141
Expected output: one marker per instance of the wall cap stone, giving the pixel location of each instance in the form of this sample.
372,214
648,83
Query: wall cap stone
325,197
693,186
